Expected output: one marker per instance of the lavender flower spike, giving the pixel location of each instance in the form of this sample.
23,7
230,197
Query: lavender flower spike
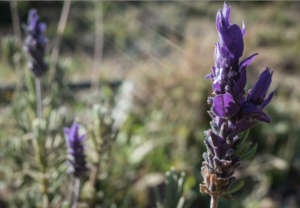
76,155
233,110
35,43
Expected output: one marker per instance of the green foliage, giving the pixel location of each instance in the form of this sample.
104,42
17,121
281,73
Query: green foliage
173,191
245,150
168,51
11,52
236,186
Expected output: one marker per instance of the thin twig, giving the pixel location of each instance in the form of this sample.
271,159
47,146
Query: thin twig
76,192
98,50
214,201
60,31
15,21
45,201
17,33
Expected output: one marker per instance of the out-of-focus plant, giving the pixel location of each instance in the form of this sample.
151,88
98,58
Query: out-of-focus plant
233,111
11,51
172,196
103,135
109,117
40,120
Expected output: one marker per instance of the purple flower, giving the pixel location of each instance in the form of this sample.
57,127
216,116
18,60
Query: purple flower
233,110
225,106
35,43
76,155
231,45
258,93
256,101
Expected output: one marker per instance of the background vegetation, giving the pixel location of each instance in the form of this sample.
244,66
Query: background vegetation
162,50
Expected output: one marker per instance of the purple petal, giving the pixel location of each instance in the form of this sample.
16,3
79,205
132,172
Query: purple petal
225,106
247,61
243,29
223,18
241,83
42,27
226,12
258,92
74,130
209,76
216,140
82,137
254,111
243,125
249,107
268,100
217,87
262,116
232,38
223,56
32,19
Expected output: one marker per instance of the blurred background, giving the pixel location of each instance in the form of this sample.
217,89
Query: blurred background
162,51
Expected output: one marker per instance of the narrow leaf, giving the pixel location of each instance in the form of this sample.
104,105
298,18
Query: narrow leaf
250,154
235,187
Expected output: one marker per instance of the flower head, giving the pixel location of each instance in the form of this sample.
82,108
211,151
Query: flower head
76,150
35,43
231,45
233,110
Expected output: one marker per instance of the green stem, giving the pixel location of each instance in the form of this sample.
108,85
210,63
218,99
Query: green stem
76,192
214,201
39,98
42,158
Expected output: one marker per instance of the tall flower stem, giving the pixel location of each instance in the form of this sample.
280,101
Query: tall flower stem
214,201
35,46
39,104
45,196
39,109
59,34
76,192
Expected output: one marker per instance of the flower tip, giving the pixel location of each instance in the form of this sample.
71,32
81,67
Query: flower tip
225,6
33,15
226,11
268,73
32,12
66,130
74,125
243,30
208,76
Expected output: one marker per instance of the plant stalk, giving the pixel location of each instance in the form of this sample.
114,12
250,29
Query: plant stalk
76,192
98,50
16,21
59,34
214,201
39,104
39,109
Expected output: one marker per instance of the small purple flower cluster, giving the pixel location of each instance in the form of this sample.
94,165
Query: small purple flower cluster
35,43
76,155
233,110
